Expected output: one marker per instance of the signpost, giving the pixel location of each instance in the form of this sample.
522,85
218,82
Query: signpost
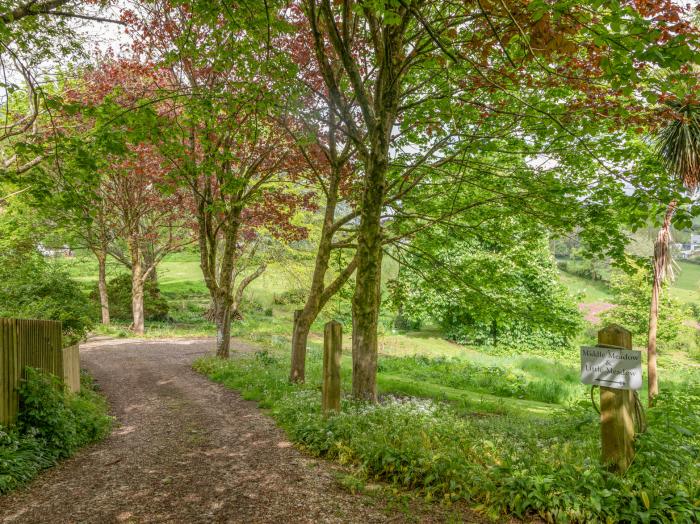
611,367
618,371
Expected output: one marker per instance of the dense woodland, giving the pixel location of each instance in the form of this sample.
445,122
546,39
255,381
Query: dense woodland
472,189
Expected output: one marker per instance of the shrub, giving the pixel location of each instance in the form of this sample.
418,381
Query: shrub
30,287
155,306
52,425
632,296
290,297
402,323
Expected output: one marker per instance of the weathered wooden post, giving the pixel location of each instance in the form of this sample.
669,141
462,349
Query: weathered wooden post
617,370
332,352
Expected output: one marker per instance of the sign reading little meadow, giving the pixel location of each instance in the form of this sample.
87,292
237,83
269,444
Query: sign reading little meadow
611,367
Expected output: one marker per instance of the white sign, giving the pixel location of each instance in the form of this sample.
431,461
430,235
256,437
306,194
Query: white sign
611,367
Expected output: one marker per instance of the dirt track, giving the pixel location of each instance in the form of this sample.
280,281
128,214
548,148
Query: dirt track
185,450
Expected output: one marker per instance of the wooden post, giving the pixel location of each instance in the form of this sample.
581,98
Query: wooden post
332,352
616,409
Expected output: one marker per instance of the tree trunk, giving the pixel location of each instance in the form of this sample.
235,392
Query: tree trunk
367,298
137,284
102,287
223,328
137,303
300,338
661,261
148,261
312,306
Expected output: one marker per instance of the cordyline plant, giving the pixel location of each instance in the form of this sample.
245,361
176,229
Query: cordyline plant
678,147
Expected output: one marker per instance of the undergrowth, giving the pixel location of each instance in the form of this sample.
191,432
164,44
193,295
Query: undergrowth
53,424
515,465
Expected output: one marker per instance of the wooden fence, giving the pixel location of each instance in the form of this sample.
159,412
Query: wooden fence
35,343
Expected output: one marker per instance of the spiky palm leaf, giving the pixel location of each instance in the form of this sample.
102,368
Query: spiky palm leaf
678,145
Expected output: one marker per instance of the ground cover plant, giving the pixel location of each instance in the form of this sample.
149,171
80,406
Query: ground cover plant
52,425
521,464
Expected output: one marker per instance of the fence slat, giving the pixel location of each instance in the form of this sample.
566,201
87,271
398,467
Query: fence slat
35,343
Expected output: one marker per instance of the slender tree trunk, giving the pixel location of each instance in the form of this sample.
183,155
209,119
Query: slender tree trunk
223,328
312,306
137,284
148,260
219,277
300,338
137,302
367,298
661,261
102,287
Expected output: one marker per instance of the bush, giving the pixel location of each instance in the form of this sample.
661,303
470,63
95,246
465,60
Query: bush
52,425
501,465
632,296
402,323
155,307
290,297
30,287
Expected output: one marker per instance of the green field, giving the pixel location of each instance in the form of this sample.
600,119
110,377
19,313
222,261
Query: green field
685,287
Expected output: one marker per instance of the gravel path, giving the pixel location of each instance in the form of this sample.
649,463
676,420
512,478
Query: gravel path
185,450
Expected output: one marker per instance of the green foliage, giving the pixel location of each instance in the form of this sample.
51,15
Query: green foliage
498,293
402,323
31,287
52,425
295,297
155,305
502,465
631,294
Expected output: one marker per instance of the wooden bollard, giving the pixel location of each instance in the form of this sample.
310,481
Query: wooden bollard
332,352
616,409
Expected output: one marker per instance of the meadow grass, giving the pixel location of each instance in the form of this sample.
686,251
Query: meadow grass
589,291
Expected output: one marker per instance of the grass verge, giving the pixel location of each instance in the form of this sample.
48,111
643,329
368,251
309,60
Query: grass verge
500,464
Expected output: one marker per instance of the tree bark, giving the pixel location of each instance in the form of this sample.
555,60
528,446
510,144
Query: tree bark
223,329
137,304
300,338
312,306
219,276
102,287
367,298
149,259
661,260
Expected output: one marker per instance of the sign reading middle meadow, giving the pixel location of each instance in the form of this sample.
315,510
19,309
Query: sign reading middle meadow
611,367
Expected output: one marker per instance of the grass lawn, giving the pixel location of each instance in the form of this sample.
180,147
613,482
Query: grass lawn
686,287
590,291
